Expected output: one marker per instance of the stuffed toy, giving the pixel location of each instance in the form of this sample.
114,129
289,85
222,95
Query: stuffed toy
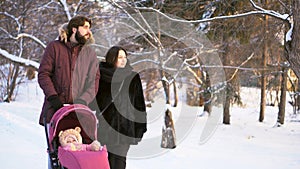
71,140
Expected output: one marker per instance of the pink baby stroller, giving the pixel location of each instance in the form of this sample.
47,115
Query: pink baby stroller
69,117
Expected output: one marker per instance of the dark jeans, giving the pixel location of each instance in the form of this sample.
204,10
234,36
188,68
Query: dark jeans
117,156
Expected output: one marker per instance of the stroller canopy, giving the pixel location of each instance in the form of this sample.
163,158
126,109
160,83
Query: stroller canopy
72,116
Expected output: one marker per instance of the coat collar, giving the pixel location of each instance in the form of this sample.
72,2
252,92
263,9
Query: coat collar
111,74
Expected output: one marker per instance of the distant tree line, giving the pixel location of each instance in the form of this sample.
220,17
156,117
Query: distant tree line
254,48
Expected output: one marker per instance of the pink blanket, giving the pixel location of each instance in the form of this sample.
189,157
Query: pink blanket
83,159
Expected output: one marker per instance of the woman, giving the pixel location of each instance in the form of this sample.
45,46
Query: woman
122,110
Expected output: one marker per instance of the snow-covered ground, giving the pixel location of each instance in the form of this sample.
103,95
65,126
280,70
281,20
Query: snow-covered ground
246,143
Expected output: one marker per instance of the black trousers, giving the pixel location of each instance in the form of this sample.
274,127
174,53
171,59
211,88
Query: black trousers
117,156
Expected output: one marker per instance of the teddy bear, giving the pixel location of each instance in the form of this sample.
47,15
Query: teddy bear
71,140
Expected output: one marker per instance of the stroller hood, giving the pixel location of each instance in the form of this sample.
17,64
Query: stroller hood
72,116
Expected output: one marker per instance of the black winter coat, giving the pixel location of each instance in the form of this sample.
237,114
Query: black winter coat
124,121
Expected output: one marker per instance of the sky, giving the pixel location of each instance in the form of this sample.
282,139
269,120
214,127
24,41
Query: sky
245,143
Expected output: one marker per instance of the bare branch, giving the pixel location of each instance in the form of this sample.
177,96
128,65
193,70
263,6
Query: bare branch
65,5
275,14
77,7
236,70
16,19
21,35
261,11
19,60
134,20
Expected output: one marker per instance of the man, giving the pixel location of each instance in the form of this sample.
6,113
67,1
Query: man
68,71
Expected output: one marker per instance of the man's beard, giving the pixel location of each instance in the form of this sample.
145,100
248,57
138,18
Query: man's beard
80,39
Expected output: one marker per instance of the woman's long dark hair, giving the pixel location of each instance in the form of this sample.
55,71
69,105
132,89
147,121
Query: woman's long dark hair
111,56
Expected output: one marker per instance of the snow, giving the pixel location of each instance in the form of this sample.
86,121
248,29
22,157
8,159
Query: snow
19,59
288,36
246,143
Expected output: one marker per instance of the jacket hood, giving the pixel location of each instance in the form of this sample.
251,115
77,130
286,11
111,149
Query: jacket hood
111,74
63,37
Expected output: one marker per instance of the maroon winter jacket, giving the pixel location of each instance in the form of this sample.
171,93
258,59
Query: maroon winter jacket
71,72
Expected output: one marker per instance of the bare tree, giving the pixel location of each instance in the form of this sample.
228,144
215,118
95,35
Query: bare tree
293,38
25,28
264,64
36,23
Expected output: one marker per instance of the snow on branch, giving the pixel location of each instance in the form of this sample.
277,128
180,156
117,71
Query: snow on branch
152,36
202,20
66,9
77,8
284,17
31,37
275,14
288,36
19,60
259,11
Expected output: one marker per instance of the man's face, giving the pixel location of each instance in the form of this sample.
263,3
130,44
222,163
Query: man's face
83,33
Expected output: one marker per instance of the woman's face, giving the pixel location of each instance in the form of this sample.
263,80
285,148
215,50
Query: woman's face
121,60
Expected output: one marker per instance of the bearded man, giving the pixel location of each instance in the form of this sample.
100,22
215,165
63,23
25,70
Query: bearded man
68,72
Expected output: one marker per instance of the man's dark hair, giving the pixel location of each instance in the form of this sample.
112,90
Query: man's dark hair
76,22
112,55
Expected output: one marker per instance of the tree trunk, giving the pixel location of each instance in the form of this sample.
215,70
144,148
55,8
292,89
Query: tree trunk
226,113
226,109
292,47
263,91
150,85
281,112
263,77
175,94
165,85
297,99
12,81
207,96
